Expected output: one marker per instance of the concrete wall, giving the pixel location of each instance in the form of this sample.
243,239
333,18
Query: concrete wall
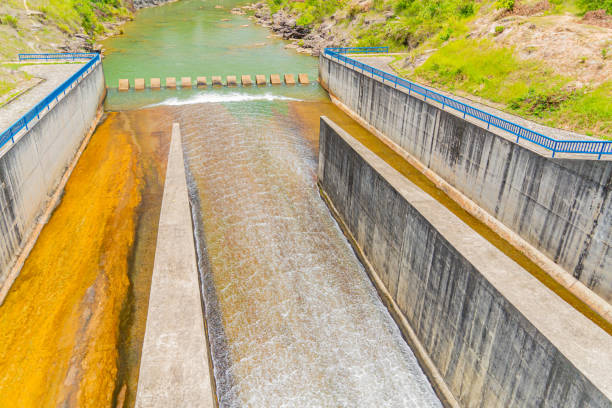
32,168
562,207
479,316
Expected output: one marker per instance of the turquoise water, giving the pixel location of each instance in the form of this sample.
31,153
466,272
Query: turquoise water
189,38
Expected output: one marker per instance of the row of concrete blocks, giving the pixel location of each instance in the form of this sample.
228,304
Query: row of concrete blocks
245,80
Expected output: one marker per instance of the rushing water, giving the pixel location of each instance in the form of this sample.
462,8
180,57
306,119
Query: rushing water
293,318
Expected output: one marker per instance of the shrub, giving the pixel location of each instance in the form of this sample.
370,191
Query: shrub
9,20
499,29
588,5
64,28
505,4
401,5
445,35
305,19
466,9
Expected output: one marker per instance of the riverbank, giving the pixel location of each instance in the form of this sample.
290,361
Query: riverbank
548,63
35,26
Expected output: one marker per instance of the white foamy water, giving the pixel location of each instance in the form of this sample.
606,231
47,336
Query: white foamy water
293,319
214,97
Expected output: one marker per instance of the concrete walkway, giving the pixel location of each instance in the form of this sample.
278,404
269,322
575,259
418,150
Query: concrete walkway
174,369
53,75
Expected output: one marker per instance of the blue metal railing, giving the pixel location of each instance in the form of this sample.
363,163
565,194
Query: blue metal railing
598,147
359,50
58,56
24,121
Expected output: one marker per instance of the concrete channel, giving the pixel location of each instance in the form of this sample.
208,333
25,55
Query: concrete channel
483,325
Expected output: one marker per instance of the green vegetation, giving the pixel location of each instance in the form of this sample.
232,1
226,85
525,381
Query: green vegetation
505,4
69,15
588,5
523,87
478,67
57,21
417,21
310,11
9,20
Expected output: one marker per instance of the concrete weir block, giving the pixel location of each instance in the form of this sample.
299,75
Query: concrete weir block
275,79
260,80
231,80
185,82
139,84
171,82
216,81
201,82
289,79
246,80
155,83
303,79
124,84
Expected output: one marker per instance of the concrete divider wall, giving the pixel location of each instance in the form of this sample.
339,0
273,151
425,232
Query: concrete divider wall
563,207
31,169
488,353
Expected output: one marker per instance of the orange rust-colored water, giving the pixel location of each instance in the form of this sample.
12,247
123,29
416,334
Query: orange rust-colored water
60,324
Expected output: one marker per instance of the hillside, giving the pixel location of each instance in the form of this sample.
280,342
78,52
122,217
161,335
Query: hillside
549,61
54,26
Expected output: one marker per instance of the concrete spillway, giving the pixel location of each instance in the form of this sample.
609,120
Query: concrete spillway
293,318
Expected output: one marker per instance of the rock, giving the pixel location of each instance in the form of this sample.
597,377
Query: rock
138,4
374,20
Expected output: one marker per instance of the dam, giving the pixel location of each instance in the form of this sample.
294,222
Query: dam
279,245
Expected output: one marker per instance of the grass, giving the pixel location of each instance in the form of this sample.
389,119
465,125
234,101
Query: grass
523,87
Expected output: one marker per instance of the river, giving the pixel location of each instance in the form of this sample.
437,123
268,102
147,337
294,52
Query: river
293,319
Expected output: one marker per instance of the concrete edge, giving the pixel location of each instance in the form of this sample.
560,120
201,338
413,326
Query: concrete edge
211,366
588,347
174,349
50,207
427,365
556,272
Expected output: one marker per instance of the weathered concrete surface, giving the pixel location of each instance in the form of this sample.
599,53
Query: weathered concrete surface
496,334
32,169
52,76
201,81
275,79
289,79
171,82
303,79
155,83
124,84
174,369
139,84
246,80
562,207
260,80
185,82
